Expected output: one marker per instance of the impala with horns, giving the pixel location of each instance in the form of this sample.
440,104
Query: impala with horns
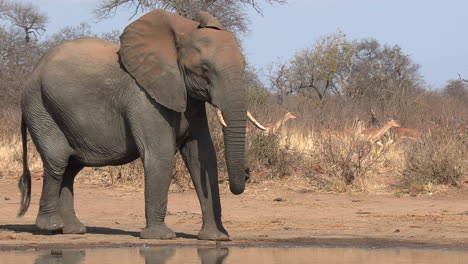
270,128
373,135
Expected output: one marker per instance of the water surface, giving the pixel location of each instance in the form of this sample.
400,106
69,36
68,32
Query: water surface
288,255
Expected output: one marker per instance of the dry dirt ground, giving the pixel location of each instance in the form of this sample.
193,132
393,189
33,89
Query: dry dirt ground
265,214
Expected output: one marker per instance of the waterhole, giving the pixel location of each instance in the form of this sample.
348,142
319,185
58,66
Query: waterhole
238,255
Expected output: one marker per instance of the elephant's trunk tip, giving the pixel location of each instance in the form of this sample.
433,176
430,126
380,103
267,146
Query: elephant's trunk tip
236,189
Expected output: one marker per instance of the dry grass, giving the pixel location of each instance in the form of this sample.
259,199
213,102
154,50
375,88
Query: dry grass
440,160
301,155
11,148
342,161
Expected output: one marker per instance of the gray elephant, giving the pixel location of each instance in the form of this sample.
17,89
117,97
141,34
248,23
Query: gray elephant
93,103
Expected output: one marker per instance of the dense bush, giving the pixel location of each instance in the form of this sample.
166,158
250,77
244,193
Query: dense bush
442,159
265,153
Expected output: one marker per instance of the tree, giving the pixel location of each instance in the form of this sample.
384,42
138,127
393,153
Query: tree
381,73
461,78
281,80
318,71
113,36
26,17
353,70
17,58
18,52
456,88
79,31
3,7
70,33
230,13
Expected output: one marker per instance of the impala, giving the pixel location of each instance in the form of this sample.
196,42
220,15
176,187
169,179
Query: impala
374,134
410,133
273,127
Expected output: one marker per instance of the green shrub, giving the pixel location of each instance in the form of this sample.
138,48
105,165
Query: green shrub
266,152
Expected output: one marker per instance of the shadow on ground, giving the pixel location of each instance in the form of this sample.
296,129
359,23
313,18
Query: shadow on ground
89,230
349,241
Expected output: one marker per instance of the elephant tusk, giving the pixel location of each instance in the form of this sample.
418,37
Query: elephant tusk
255,122
221,118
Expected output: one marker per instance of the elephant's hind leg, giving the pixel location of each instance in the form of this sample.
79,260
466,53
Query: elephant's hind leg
71,223
55,153
49,217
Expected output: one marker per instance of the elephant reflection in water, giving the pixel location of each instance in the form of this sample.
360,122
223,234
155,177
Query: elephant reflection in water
59,256
157,255
151,255
207,255
212,255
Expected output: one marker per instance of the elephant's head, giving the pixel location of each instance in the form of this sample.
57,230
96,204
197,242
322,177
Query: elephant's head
172,57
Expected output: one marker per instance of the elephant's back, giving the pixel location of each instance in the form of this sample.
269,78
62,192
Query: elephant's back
83,71
97,48
87,55
83,66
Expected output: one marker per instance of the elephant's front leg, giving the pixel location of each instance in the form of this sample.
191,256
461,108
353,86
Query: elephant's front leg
200,158
155,140
158,173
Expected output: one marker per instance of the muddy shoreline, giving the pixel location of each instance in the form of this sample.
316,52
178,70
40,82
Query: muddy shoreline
318,243
115,216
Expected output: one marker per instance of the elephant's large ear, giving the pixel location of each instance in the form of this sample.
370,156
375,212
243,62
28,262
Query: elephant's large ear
149,52
206,20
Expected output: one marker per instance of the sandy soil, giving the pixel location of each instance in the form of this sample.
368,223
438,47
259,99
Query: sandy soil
265,214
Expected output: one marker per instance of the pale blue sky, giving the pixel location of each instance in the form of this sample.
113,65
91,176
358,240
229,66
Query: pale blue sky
433,33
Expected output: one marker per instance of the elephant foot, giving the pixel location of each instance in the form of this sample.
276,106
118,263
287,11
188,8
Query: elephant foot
74,229
213,234
157,232
73,225
50,222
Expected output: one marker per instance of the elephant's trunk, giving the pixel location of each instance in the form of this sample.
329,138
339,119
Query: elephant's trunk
234,111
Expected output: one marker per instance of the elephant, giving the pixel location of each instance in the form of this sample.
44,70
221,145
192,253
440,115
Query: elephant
91,103
62,256
162,255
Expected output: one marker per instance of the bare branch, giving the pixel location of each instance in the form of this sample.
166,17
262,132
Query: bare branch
230,13
3,7
25,16
459,76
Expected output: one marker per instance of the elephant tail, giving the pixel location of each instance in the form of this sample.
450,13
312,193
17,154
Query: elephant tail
24,182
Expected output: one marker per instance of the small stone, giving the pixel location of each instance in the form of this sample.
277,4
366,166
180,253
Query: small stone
56,252
396,231
7,198
11,237
363,213
279,199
